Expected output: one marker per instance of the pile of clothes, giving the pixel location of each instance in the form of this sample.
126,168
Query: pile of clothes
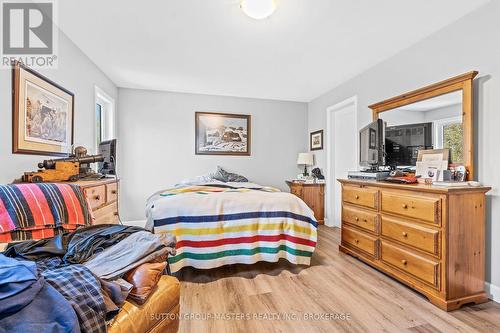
78,281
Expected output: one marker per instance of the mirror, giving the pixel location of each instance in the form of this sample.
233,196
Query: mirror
434,123
434,117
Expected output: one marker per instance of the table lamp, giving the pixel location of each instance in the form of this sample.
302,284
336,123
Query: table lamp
306,159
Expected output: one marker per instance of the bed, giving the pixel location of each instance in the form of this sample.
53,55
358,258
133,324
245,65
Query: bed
219,224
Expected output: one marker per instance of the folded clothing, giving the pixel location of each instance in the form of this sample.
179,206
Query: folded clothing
74,247
29,304
144,279
32,211
136,249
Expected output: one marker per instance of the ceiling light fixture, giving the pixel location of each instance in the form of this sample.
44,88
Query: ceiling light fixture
258,9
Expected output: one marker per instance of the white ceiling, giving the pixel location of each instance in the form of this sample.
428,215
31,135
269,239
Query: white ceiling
304,49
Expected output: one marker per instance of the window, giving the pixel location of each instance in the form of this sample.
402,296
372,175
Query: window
449,134
104,117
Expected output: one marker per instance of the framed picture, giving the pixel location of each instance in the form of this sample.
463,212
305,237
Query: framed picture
222,134
316,140
42,114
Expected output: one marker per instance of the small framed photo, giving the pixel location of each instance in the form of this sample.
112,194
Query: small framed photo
316,140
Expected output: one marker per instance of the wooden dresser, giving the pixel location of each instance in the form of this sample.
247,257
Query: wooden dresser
313,195
429,238
103,199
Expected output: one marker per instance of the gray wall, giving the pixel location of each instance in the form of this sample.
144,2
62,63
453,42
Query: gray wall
77,73
472,43
156,142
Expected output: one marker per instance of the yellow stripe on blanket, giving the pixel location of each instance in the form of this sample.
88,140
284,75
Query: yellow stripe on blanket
228,229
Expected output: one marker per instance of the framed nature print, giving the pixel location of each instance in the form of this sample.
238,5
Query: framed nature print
316,140
222,134
42,114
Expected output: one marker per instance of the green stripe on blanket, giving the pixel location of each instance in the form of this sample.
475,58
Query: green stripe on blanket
240,252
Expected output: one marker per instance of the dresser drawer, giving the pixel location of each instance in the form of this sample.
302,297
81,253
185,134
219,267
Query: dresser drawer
96,196
111,192
107,214
364,219
423,208
424,269
412,234
359,240
360,196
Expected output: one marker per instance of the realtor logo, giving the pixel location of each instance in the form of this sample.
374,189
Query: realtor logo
29,33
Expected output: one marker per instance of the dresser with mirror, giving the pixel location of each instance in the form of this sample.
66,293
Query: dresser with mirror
430,238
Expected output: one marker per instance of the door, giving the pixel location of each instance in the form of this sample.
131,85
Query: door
343,152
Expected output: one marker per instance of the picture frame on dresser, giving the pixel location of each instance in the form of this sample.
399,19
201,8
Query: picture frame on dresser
42,114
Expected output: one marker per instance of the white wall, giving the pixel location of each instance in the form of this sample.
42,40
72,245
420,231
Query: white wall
156,142
472,43
77,73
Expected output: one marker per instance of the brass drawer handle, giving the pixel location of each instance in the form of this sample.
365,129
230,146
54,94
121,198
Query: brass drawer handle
356,241
404,262
405,206
405,234
356,197
113,192
97,197
357,219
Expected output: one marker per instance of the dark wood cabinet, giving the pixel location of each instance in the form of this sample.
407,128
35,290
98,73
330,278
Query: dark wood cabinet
313,195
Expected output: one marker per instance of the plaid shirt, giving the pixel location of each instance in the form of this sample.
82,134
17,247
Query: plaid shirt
82,289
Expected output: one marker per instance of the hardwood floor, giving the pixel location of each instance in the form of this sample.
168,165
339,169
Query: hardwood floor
335,284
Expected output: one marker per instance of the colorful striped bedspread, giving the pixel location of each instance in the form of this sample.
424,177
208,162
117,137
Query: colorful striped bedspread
220,225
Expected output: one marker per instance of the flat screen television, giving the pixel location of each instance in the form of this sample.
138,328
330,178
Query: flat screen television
108,151
371,145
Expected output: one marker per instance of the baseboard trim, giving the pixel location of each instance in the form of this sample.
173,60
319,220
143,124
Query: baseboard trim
492,291
137,223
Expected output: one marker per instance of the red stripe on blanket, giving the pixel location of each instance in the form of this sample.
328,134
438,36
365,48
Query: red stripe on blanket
75,213
38,205
6,223
241,240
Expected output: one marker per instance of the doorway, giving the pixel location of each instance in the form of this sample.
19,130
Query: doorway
342,153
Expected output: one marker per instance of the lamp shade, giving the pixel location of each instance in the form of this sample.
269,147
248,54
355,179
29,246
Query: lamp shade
305,159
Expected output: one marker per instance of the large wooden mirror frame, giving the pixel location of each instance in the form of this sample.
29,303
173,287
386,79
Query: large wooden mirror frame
462,83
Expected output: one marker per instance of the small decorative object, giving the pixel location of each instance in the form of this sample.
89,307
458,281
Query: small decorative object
42,114
222,134
316,140
305,159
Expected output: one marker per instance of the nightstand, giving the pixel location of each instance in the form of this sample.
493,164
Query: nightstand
313,195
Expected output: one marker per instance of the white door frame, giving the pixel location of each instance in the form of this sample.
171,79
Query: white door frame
330,174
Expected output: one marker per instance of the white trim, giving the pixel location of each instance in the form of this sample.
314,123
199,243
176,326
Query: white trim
103,98
492,291
329,172
137,223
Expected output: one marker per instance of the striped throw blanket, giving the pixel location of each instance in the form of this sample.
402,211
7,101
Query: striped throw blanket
35,211
220,225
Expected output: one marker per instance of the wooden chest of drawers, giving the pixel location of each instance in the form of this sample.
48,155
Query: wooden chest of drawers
313,195
102,196
429,238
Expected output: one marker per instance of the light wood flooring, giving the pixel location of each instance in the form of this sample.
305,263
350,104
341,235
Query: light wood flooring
335,283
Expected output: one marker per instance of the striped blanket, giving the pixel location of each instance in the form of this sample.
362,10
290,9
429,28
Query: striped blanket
35,211
217,225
